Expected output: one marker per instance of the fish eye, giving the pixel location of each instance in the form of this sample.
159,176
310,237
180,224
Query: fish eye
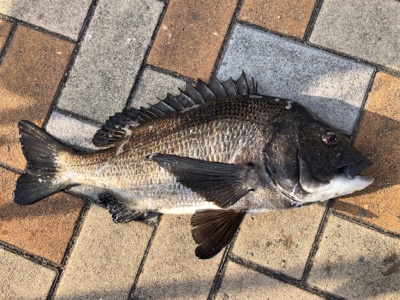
330,138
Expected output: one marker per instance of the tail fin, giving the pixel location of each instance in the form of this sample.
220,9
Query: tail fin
40,177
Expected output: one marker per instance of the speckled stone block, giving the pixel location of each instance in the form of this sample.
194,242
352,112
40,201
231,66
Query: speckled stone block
20,277
153,86
331,86
191,35
357,263
287,17
280,240
172,271
378,139
64,17
44,228
240,283
110,57
368,29
29,77
72,131
5,29
105,258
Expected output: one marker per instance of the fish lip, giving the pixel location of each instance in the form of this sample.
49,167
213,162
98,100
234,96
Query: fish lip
352,170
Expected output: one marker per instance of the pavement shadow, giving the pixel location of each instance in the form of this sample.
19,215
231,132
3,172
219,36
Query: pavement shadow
356,279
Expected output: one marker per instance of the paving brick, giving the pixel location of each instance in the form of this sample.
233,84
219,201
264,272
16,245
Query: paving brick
43,228
172,270
20,277
379,204
29,77
331,86
365,29
287,17
5,29
242,283
110,57
72,131
64,17
154,86
357,263
191,35
105,258
280,240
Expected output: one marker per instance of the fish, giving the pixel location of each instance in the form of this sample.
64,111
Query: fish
219,151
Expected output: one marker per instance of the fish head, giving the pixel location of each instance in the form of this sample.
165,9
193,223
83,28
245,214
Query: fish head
311,161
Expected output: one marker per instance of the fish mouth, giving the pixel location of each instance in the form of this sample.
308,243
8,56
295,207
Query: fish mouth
345,182
352,170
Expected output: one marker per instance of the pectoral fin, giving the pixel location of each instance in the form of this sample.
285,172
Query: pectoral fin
213,229
220,183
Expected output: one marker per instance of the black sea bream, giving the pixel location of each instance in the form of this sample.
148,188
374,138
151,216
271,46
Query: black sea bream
218,151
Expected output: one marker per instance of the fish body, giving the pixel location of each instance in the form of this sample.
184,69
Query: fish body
229,130
218,151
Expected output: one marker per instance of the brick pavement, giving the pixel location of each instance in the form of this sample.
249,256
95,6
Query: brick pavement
68,65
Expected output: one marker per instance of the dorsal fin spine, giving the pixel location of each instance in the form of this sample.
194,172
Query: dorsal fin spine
185,96
194,94
204,90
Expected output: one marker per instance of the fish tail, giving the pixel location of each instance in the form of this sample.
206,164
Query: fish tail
40,178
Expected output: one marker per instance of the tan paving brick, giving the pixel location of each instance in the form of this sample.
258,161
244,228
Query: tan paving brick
23,279
5,28
105,258
29,77
287,17
357,263
240,283
191,35
172,271
43,228
378,138
280,240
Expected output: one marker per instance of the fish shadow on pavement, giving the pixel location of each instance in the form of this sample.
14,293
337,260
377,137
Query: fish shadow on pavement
378,140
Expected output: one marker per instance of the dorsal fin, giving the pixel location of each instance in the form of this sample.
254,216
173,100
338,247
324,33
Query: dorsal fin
117,126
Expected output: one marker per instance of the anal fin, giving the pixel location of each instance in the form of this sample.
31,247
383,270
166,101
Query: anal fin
121,213
213,229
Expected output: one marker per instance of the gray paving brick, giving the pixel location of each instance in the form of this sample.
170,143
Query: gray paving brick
105,258
71,131
64,17
331,86
242,283
110,57
172,271
368,29
20,277
153,86
280,240
356,262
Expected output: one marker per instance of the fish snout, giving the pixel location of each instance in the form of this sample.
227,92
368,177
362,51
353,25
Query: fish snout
352,170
